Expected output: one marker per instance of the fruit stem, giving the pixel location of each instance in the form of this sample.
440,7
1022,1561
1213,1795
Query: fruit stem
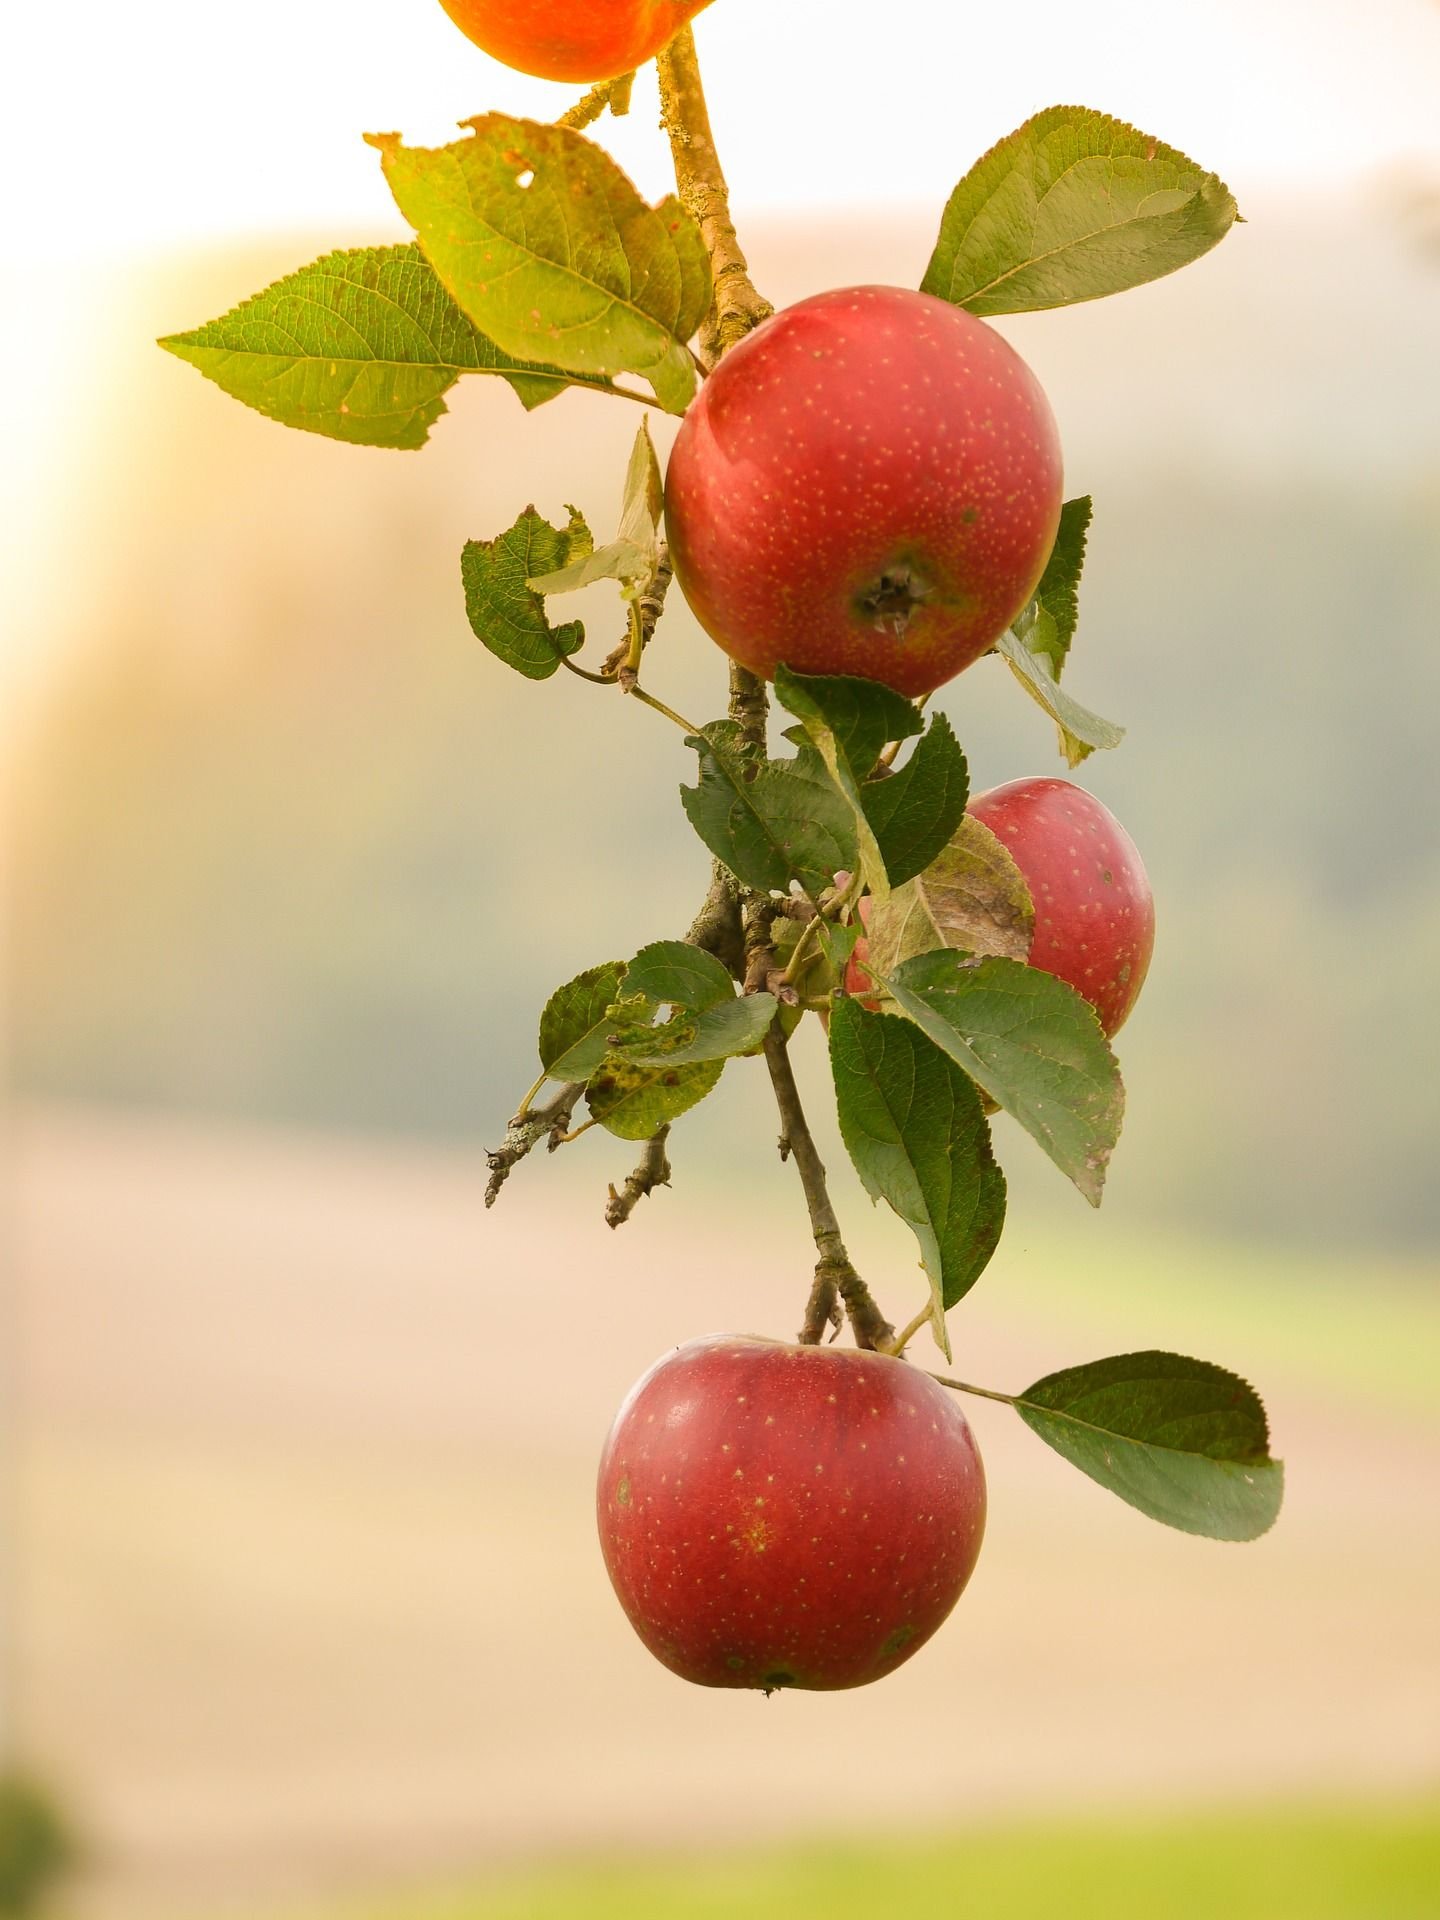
834,1271
614,94
701,182
985,1393
922,1319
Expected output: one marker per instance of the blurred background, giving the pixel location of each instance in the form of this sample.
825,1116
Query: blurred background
301,1614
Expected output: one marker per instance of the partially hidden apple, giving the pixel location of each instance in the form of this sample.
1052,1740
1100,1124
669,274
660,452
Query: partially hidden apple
868,484
786,1516
1094,912
572,39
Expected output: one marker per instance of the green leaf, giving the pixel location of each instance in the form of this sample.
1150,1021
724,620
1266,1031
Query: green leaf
548,247
915,811
914,1127
972,897
737,1025
848,721
1059,590
1030,660
1184,1441
673,973
634,554
1034,1046
504,612
632,1097
1037,645
1071,206
770,821
359,346
575,1024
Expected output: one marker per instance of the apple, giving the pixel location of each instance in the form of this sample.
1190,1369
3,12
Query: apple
869,484
785,1516
572,39
1094,912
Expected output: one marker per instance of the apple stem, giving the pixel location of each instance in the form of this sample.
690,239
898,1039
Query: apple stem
701,182
922,1319
614,94
835,1271
985,1393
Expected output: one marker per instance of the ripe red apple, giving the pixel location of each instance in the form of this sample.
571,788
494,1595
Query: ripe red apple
1094,913
868,484
786,1516
572,39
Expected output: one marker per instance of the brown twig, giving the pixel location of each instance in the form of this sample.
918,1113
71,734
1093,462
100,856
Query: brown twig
614,94
737,305
652,1170
529,1127
835,1271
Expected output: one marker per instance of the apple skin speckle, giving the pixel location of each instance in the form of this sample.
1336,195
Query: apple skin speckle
868,484
848,1571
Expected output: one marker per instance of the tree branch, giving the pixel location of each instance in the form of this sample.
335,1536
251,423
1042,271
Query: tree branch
737,305
526,1130
614,94
835,1271
653,1170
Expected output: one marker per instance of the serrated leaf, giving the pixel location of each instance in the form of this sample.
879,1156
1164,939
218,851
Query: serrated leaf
1081,732
1072,206
972,898
1059,590
548,247
1184,1441
769,821
503,610
674,973
574,1023
915,811
848,721
633,1095
631,557
1032,1043
912,1123
359,346
736,1025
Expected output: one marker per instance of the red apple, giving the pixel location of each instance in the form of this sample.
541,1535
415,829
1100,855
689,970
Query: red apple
868,484
786,1516
1094,913
572,39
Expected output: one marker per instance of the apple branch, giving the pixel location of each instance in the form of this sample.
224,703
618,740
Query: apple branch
701,182
652,1170
528,1128
614,94
834,1271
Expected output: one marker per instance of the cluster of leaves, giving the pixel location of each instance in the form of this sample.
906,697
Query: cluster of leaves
536,261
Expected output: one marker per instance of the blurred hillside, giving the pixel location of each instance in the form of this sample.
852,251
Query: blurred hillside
290,845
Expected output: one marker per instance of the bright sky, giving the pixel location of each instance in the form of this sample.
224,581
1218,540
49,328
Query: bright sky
161,122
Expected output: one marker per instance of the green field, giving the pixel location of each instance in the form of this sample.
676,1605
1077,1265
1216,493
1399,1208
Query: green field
1282,1865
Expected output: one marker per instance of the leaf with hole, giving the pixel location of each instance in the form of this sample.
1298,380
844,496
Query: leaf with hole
542,240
